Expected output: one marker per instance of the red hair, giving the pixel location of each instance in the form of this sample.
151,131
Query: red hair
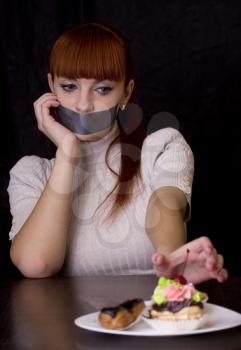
95,51
92,51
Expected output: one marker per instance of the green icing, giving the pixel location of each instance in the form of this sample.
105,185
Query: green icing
158,297
197,297
163,282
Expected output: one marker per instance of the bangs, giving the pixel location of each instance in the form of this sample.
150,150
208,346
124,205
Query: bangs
91,52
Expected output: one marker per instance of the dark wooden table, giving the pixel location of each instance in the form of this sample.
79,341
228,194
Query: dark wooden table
39,314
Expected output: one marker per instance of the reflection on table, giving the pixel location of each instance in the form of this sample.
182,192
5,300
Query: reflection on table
39,314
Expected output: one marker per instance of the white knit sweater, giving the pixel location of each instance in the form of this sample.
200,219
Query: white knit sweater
94,247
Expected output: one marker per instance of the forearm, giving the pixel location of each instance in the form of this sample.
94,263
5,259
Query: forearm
165,224
39,248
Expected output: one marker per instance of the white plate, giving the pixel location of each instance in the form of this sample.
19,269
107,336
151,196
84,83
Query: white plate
217,318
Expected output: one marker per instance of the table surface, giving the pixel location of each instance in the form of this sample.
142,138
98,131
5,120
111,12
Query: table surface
39,314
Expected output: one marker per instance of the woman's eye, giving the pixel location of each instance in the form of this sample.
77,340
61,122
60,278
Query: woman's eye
68,87
103,90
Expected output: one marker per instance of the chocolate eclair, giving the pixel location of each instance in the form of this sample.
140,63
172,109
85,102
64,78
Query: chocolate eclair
122,315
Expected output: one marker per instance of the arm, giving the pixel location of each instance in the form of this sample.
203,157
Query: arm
165,217
38,249
169,172
165,226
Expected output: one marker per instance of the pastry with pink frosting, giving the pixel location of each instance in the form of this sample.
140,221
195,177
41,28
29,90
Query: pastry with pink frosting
173,301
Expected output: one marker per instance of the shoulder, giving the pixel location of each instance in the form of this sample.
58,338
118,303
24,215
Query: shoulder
163,138
28,178
32,168
166,145
167,160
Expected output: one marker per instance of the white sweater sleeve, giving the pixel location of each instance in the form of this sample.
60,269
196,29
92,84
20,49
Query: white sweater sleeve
167,160
27,181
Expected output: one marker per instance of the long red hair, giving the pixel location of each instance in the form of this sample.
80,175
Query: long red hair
96,51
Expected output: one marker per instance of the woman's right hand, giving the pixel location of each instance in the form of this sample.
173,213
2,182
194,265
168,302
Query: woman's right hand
201,264
66,141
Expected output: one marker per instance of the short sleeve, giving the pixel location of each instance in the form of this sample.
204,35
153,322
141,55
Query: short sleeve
28,179
167,160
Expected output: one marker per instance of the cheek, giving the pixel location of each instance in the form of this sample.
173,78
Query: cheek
101,104
116,97
105,102
64,98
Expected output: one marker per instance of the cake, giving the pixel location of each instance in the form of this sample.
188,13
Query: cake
176,306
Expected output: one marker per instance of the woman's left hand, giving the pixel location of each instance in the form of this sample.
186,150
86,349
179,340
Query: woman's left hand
201,263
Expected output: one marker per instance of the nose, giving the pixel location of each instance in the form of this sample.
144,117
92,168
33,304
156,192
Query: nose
84,102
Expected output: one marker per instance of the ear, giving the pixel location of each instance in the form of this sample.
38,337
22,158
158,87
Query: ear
51,82
128,91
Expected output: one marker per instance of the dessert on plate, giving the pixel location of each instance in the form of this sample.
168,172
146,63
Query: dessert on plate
176,306
122,315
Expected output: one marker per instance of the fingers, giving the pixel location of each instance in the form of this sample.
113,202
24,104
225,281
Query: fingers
210,259
161,264
214,264
219,262
201,244
214,261
158,259
218,271
202,263
195,247
56,132
222,276
41,108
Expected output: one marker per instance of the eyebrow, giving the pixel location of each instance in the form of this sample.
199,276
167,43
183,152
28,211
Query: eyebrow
95,82
101,81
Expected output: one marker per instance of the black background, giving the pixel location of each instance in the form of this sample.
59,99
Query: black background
188,62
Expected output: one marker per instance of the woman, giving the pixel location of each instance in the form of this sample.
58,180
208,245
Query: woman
112,201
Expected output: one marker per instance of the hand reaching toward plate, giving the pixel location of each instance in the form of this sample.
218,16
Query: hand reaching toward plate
203,262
